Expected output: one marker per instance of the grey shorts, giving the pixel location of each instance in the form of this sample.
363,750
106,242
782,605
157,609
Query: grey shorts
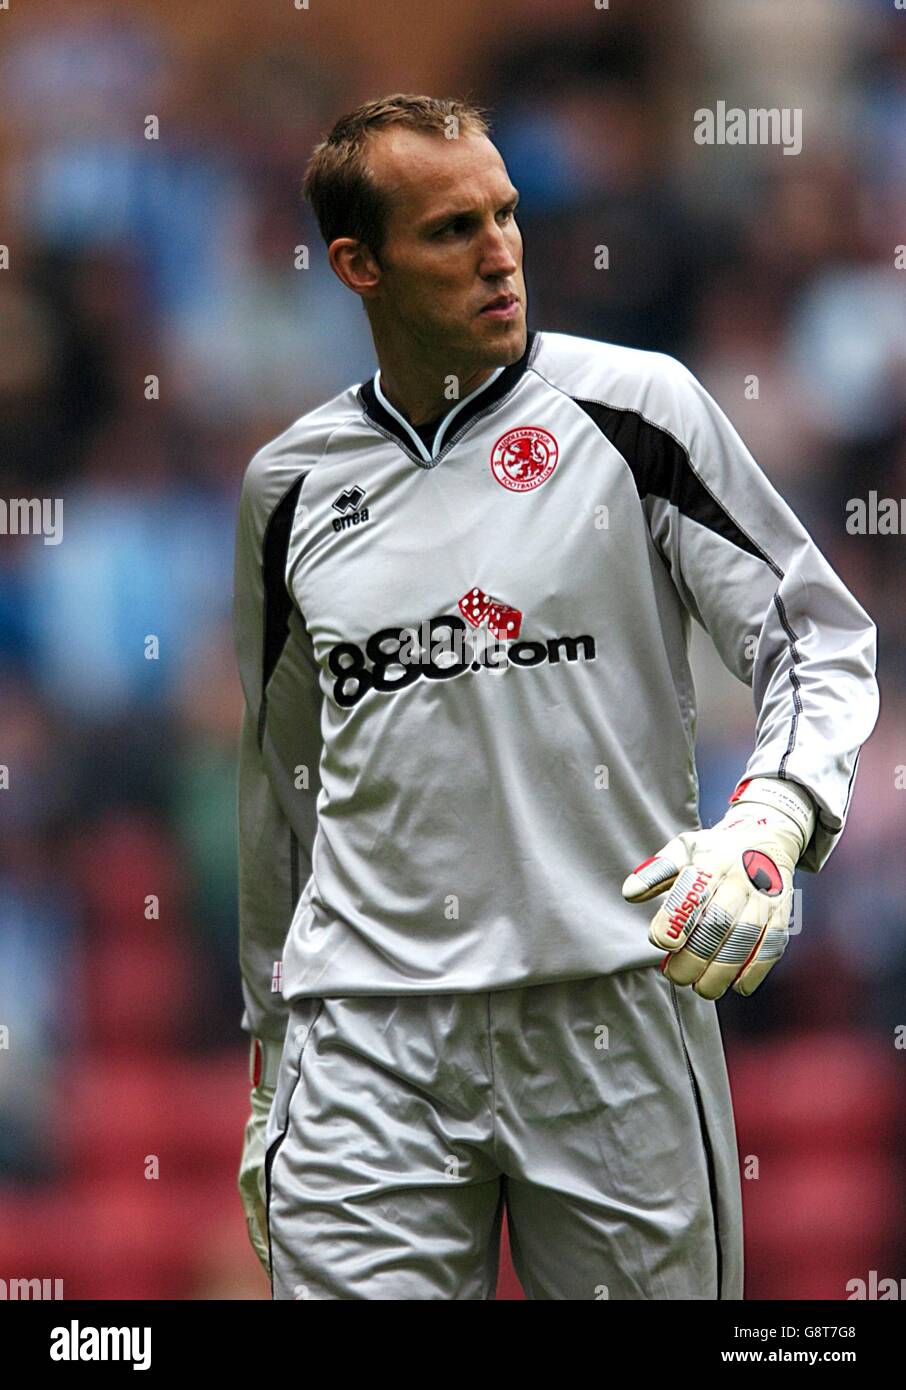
598,1111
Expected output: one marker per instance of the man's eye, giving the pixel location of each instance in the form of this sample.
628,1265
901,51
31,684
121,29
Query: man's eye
462,224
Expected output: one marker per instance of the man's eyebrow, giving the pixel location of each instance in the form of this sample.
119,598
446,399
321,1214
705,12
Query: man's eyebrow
453,214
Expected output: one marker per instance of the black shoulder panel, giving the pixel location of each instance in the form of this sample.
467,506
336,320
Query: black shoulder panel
661,468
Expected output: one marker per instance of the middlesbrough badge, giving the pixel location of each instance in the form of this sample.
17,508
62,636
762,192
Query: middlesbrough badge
524,459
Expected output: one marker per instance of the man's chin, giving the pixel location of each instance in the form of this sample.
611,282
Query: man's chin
501,343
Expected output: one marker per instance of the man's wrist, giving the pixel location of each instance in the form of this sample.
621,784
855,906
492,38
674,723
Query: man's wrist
780,795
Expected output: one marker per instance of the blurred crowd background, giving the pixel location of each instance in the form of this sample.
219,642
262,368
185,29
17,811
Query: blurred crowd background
173,258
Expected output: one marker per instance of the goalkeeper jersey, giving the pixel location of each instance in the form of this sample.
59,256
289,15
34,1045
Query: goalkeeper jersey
463,649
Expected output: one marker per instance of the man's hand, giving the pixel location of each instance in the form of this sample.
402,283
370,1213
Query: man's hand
264,1062
726,918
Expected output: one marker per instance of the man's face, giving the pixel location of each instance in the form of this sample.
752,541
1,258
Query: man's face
452,247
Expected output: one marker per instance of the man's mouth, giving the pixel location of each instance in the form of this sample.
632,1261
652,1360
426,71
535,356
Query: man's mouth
505,306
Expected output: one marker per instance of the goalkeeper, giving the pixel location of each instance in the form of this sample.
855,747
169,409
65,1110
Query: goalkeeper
453,1008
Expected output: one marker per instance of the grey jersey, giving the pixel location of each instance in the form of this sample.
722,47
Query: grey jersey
469,707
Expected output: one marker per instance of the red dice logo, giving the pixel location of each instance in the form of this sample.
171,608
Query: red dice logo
503,621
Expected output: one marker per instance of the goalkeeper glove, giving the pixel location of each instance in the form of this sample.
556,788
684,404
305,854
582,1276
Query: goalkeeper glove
264,1063
726,918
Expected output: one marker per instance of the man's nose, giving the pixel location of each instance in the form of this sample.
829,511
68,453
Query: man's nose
497,256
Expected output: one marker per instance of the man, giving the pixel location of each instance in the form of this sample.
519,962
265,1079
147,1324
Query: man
464,592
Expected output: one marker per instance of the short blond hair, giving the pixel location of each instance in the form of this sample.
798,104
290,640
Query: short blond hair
338,183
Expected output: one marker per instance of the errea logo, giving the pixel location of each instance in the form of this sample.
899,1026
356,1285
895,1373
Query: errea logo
348,503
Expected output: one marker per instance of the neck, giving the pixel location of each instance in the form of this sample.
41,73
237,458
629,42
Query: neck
421,397
417,379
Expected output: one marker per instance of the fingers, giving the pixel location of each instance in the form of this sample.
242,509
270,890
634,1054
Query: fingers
648,879
724,920
653,875
712,978
709,978
744,958
702,904
718,933
776,940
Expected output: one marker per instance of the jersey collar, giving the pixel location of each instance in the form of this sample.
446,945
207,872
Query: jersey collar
387,418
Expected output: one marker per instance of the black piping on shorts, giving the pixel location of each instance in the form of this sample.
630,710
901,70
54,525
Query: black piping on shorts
272,1151
709,1156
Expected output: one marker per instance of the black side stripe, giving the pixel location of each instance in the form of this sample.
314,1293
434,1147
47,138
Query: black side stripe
709,1156
293,866
268,1165
849,791
661,467
277,602
274,1149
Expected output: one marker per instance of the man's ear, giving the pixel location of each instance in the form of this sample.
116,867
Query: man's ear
355,265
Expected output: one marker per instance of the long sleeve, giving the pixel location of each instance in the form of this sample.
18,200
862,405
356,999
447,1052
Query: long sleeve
780,617
280,742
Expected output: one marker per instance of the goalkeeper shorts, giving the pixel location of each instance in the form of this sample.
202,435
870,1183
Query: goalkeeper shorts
597,1111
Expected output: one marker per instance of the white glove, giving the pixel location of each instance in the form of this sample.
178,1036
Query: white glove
726,918
264,1063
